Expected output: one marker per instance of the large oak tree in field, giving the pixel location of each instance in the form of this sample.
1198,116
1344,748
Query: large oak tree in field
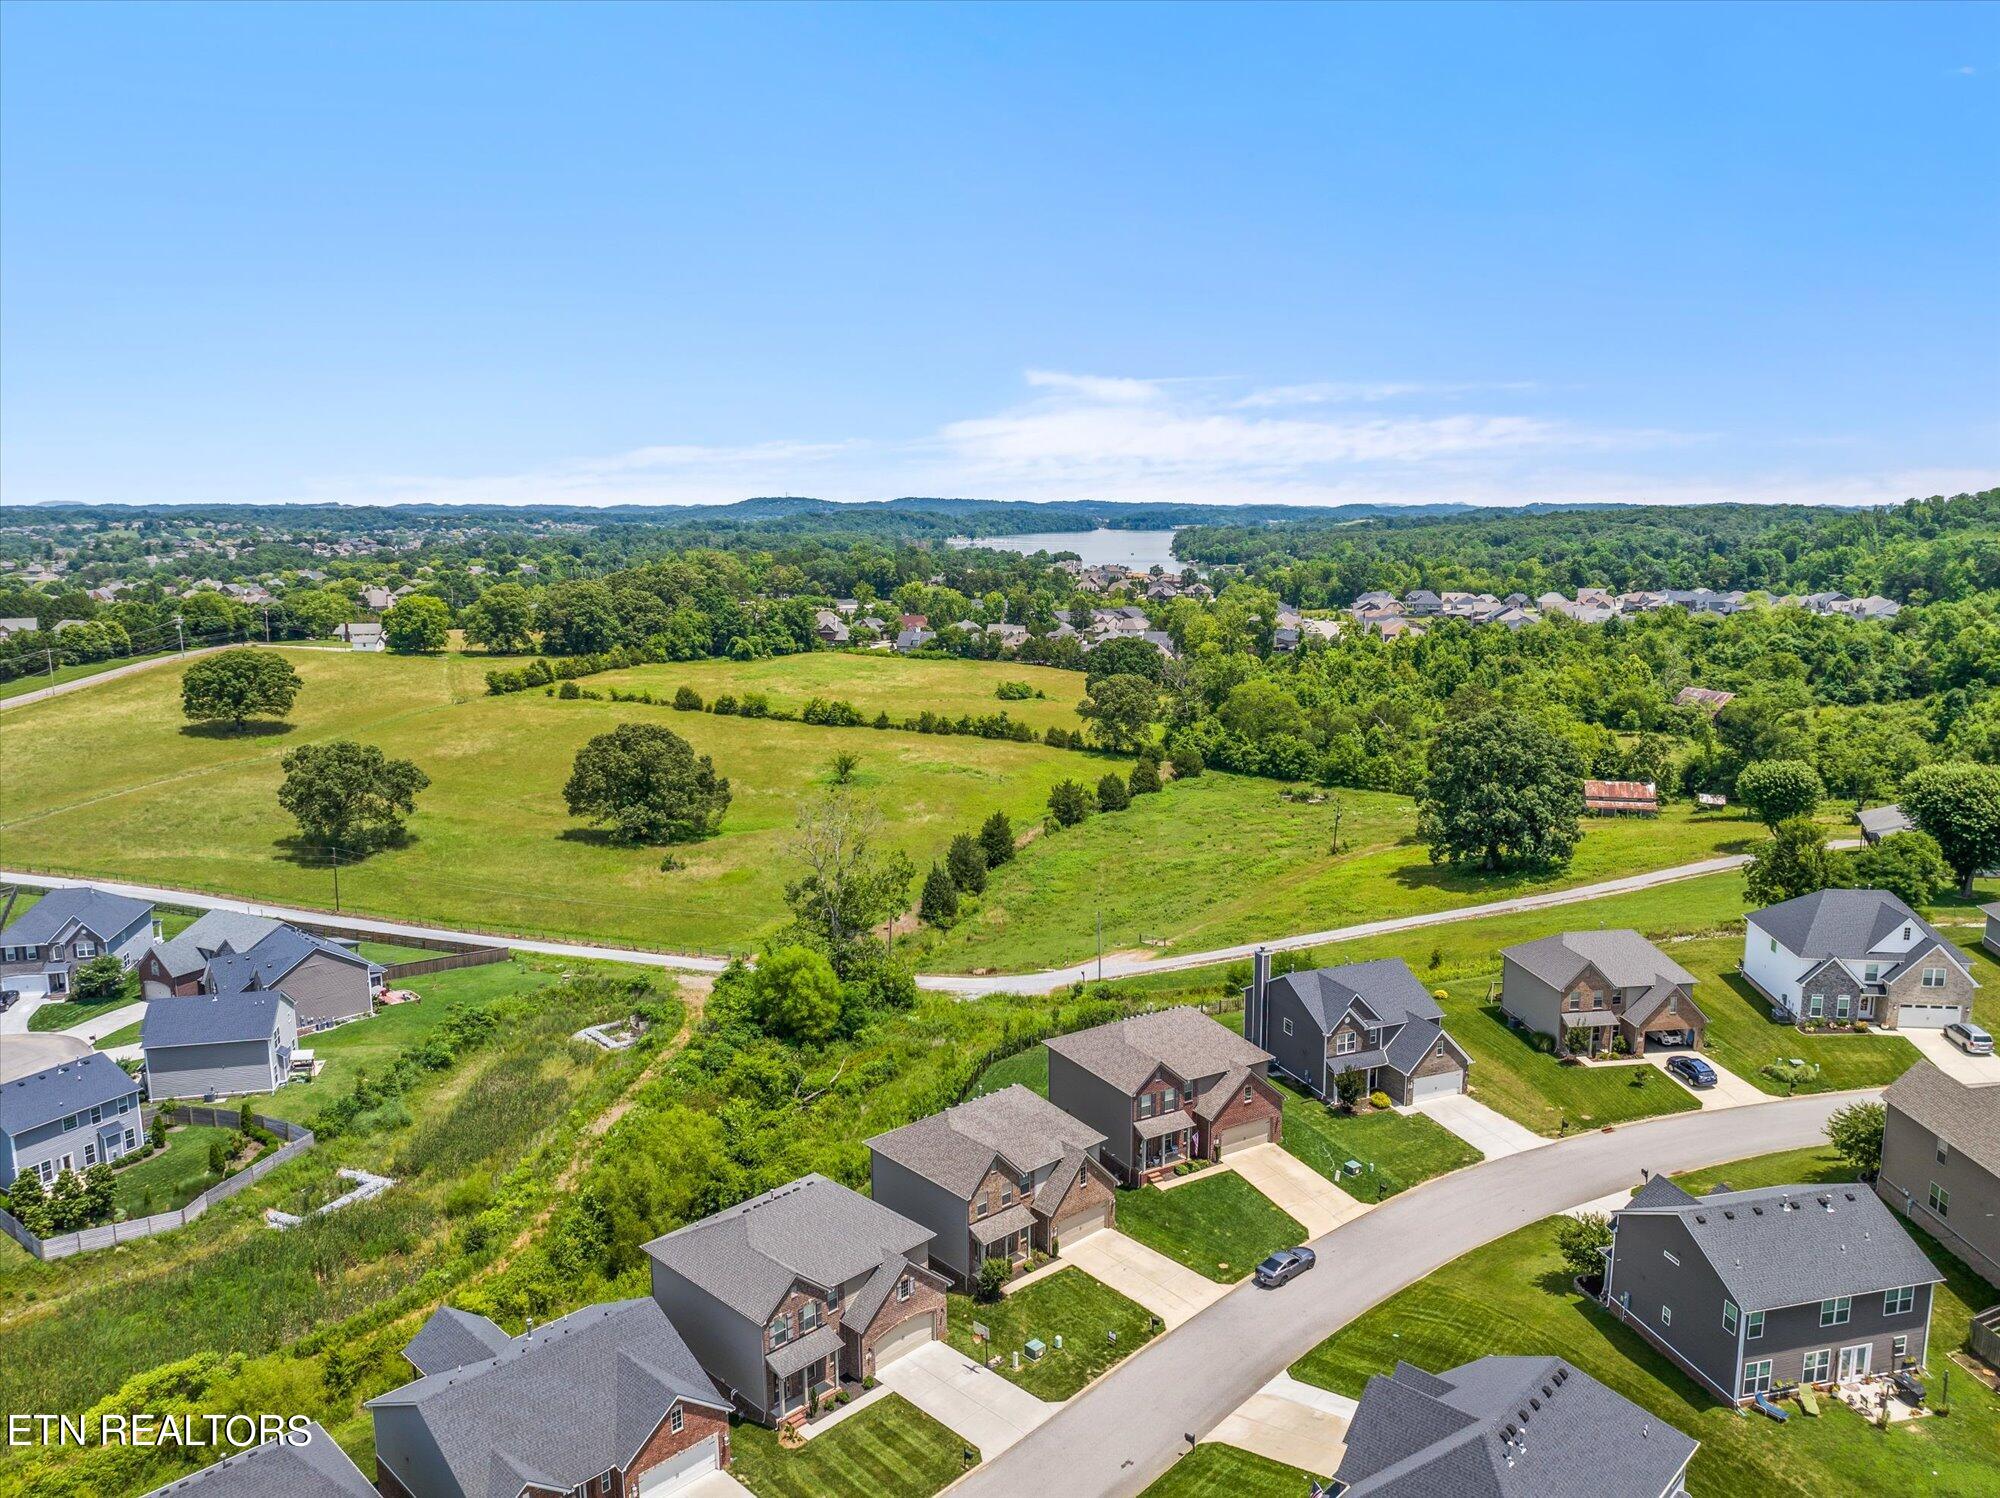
347,795
1502,790
647,783
234,686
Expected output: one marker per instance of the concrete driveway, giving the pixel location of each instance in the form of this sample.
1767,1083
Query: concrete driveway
1729,1091
965,1397
1974,1071
714,1485
1492,1133
1170,1291
1295,1187
1290,1422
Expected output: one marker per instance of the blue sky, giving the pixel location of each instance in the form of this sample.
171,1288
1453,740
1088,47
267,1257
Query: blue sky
627,254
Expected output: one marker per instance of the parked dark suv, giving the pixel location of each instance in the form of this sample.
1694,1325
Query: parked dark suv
1692,1070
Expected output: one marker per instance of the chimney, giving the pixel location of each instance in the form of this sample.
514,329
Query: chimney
1260,978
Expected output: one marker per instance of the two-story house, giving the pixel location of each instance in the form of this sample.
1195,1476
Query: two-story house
1941,1161
216,1045
1370,1018
1507,1427
1609,983
1163,1088
305,1463
998,1177
328,983
1991,939
1840,955
1750,1290
70,1116
786,1295
606,1401
177,964
41,948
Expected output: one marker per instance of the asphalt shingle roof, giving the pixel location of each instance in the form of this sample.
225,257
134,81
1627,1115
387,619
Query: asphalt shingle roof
211,1018
1839,922
267,963
452,1338
1625,958
63,1089
98,911
1966,1118
811,1229
1386,988
214,931
955,1148
1506,1427
318,1469
1792,1245
1186,1041
562,1403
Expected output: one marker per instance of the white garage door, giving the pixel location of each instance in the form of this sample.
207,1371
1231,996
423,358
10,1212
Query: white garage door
1926,1016
677,1471
1443,1084
1080,1224
1245,1135
908,1337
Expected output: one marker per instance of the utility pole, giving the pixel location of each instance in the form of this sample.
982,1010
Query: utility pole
267,624
182,633
52,661
336,878
1100,945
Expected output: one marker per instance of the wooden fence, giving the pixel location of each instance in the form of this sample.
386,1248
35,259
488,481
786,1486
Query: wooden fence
477,957
297,1141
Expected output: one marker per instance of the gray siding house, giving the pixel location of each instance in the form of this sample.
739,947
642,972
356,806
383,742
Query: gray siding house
786,1295
40,949
329,984
217,1045
70,1116
1941,1162
1992,937
307,1464
604,1400
1163,1088
1519,1427
1841,955
177,964
1747,1291
998,1177
1611,983
1371,1018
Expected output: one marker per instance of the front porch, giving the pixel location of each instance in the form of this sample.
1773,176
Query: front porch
801,1372
1161,1144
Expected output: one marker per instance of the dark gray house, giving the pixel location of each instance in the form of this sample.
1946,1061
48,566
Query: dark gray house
1750,1290
177,964
785,1295
1611,983
606,1400
216,1045
1501,1427
1941,1162
70,1116
327,983
998,1177
304,1464
1165,1087
41,948
453,1338
1373,1018
1992,937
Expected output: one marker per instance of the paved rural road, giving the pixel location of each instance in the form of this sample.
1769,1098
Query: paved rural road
63,689
1123,1432
963,984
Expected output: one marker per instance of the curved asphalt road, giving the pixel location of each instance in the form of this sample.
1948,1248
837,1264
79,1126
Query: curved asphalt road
1117,1436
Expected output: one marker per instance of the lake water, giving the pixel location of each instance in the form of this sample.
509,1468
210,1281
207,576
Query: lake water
1139,549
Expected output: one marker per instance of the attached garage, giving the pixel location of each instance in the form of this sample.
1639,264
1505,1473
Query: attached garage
1439,1084
1927,1016
1243,1136
682,1468
1080,1223
899,1340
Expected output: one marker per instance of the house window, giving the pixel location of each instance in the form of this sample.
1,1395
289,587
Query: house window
1836,1311
90,1154
1774,944
675,1420
1666,1315
1346,1043
979,1206
1841,1005
1943,1152
47,1171
131,1140
1288,1027
1187,1092
1940,1200
86,949
125,1103
833,1298
1934,977
1871,973
1906,933
604,1482
808,1316
1900,1301
1007,1196
1597,1001
70,1122
1374,1036
781,1330
904,1287
1899,1348
1815,1005
1145,1105
97,1113
1729,1317
1818,1367
1756,1378
1753,1326
1246,1092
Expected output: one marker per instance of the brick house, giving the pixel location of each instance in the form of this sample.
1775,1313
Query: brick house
1841,955
1370,1018
1611,983
999,1177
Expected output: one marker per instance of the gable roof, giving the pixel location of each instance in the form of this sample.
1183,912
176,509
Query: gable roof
1792,1245
98,911
65,1088
955,1148
1506,1427
1385,988
1964,1117
1187,1042
212,932
316,1469
561,1403
212,1018
811,1229
1884,821
453,1338
1838,922
1625,958
267,964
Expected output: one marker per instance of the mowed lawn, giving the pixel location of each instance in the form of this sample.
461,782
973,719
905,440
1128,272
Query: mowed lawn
492,846
1225,859
1213,1470
1397,1150
871,682
1218,1226
1067,1304
172,1176
892,1449
1513,1297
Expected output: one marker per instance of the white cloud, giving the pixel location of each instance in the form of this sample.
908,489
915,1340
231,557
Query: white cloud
1343,392
1096,387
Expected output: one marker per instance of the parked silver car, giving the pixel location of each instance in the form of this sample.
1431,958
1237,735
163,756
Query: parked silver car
1285,1264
